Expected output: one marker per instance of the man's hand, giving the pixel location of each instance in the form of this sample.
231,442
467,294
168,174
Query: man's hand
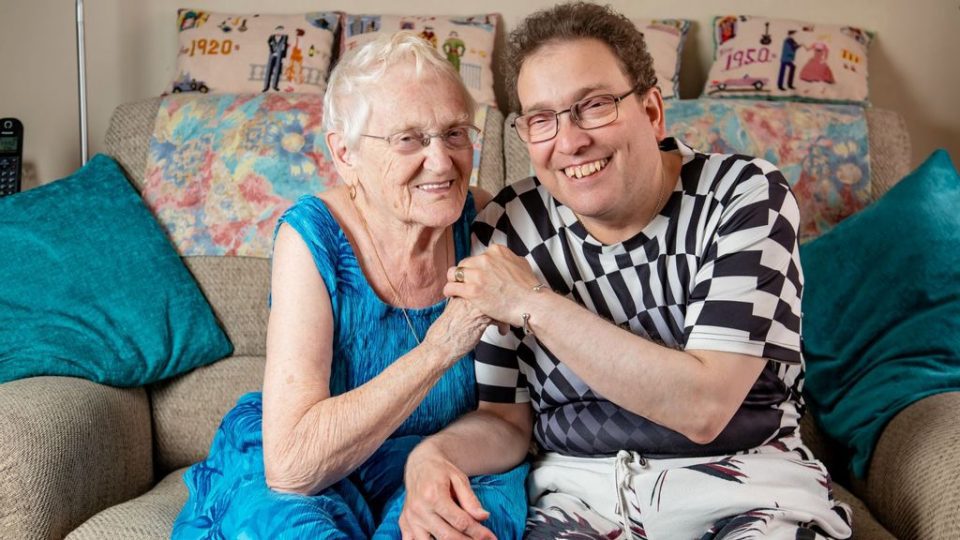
496,282
440,503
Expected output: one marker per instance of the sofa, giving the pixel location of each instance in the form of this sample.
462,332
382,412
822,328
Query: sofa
87,461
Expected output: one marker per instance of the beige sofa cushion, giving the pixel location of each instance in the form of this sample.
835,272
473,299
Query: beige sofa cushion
188,409
237,288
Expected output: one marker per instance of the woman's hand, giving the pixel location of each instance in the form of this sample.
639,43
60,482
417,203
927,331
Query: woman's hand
440,502
457,330
496,282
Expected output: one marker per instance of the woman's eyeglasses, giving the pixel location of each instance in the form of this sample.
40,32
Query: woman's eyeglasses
411,141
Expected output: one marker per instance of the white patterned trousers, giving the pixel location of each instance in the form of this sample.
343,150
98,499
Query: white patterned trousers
768,493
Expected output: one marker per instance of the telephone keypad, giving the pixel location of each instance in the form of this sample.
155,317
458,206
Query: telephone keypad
9,175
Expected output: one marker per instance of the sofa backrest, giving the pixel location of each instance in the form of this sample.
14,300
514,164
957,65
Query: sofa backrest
889,149
187,410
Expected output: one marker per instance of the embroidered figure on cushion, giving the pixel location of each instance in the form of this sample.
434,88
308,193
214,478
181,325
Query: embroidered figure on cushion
850,60
192,19
788,55
765,39
429,36
277,44
727,28
186,83
816,69
294,72
454,48
227,25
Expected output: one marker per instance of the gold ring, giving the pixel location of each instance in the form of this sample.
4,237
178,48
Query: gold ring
458,274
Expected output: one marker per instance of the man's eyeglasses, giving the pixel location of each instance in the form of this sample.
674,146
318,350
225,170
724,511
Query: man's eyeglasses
588,113
411,141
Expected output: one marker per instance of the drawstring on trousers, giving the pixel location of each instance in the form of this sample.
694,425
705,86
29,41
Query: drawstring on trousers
624,459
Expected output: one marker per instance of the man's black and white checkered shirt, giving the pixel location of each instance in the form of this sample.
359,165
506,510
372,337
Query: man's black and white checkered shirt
718,269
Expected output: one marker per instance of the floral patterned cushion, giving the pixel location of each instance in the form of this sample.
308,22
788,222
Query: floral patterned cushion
822,149
221,169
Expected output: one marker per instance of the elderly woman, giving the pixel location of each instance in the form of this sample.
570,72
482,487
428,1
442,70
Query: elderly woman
364,355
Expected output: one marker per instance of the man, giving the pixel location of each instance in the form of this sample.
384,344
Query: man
654,298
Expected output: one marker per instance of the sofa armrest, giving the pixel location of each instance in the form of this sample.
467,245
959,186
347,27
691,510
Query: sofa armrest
913,486
68,449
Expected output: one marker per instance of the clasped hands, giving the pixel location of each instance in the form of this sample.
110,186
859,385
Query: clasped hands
496,282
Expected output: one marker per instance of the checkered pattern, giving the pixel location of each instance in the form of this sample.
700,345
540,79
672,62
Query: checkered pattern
717,269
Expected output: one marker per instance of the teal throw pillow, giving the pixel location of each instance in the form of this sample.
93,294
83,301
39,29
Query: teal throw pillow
91,287
881,308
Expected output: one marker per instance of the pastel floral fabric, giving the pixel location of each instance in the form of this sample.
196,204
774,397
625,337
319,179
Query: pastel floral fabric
822,149
221,169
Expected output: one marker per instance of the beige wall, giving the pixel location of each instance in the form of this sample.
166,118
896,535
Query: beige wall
131,47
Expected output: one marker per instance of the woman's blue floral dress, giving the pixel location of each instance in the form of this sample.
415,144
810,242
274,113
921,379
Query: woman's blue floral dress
228,496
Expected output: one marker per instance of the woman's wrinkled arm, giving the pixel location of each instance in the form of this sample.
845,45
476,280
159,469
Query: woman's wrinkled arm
310,439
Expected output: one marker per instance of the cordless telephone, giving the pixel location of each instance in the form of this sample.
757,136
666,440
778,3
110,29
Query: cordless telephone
11,155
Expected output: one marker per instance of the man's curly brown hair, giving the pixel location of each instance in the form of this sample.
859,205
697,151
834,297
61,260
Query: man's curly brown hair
580,20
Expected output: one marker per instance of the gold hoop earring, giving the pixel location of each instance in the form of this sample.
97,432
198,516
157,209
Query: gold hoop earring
353,191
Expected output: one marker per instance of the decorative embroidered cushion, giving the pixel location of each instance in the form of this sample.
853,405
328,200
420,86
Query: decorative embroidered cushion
227,53
759,57
222,169
822,149
93,289
467,42
665,39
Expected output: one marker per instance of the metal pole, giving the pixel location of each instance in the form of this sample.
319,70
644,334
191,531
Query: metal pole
82,69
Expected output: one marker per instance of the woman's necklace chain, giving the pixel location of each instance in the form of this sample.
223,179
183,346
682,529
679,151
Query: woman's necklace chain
396,294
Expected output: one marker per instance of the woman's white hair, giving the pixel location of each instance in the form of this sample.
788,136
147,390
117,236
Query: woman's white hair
347,103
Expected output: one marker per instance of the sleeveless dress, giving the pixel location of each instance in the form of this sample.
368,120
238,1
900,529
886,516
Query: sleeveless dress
228,495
